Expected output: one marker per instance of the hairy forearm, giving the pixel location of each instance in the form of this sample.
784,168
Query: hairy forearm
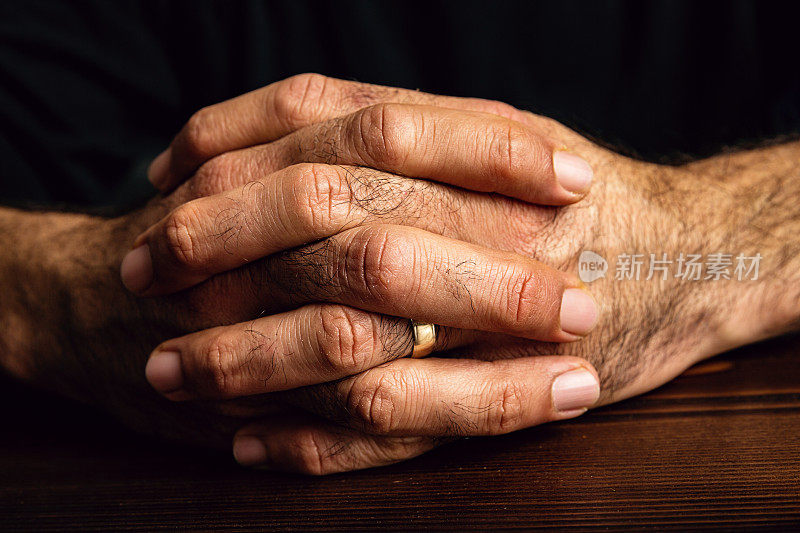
650,330
34,247
67,323
61,295
757,194
737,204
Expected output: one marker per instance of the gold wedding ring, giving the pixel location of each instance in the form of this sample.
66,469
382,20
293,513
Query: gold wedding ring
424,338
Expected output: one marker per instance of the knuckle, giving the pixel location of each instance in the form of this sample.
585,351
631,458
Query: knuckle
198,134
374,402
179,239
506,414
298,98
373,263
346,338
216,365
524,296
509,146
322,196
384,134
310,457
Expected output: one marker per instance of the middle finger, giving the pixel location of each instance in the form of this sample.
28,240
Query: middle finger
404,271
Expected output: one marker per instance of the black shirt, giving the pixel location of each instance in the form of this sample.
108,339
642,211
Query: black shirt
92,90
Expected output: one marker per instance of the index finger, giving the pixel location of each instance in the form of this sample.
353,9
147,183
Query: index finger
271,112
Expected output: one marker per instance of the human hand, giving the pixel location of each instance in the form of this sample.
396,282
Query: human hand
107,331
286,209
650,331
73,329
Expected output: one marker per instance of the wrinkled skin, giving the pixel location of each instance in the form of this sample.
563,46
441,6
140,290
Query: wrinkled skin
648,331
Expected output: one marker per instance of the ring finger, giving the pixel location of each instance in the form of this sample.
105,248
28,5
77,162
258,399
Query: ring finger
313,344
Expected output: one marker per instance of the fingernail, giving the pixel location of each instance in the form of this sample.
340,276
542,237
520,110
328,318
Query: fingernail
578,312
249,451
164,372
158,171
576,389
572,172
136,270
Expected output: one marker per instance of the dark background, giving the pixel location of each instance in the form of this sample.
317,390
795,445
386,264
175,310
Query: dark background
92,90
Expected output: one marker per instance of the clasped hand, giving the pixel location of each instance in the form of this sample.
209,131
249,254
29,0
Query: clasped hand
305,223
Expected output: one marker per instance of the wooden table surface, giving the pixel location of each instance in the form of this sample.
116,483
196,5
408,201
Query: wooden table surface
719,447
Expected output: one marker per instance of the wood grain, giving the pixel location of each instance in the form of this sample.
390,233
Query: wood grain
718,448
